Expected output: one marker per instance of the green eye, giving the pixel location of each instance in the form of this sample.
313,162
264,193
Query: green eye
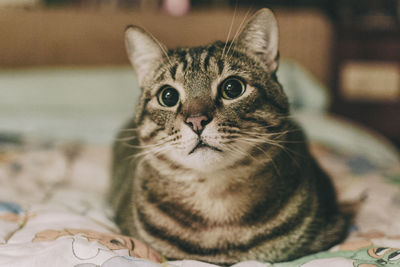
168,96
232,88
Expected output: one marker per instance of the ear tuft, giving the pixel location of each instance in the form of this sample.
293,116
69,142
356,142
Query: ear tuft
260,37
144,52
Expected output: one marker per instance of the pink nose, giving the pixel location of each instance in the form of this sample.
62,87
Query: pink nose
197,123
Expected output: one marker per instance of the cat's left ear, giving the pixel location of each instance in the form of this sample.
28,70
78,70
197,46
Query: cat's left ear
144,52
260,37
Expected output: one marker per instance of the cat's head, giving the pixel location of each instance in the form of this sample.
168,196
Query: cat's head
208,107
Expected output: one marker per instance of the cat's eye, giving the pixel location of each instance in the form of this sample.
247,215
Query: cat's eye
232,88
168,96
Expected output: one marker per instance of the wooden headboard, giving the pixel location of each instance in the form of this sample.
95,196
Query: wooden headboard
48,37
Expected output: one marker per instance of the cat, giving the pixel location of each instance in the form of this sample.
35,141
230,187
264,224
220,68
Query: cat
211,167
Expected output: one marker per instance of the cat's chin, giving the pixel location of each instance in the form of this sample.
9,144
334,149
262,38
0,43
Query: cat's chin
203,145
204,159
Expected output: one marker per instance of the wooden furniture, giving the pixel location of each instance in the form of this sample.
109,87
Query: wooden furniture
366,80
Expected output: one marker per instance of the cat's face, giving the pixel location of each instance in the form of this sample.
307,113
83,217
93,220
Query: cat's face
208,107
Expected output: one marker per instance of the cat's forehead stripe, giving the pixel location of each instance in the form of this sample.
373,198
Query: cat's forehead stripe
220,65
189,61
180,56
193,59
203,56
172,70
210,53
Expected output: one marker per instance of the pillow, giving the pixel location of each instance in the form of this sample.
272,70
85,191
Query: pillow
303,90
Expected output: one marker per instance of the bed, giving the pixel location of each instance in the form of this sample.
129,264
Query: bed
56,129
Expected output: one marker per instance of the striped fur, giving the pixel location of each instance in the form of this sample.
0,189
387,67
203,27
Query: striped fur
255,193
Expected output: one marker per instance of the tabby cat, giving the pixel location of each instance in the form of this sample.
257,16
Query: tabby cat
211,167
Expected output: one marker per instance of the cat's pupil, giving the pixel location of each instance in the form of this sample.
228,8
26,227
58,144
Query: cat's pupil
232,88
168,97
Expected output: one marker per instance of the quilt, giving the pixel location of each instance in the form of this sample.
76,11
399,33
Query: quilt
53,210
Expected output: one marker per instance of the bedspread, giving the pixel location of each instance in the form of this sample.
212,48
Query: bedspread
53,210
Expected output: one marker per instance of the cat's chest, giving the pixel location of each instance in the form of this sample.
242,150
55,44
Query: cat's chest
220,198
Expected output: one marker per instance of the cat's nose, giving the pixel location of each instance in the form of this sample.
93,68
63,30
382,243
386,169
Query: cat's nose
197,123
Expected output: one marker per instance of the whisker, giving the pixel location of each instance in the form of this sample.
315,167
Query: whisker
293,155
164,139
268,134
125,139
144,153
238,30
248,154
154,149
270,159
230,30
255,139
232,148
143,146
266,154
270,142
129,130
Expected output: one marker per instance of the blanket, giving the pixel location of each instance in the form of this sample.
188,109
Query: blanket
53,209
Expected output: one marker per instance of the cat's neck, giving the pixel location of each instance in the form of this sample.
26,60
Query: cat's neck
223,196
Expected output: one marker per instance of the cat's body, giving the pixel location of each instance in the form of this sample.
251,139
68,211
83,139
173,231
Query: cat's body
212,167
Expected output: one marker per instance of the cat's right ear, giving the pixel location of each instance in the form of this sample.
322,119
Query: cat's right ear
144,52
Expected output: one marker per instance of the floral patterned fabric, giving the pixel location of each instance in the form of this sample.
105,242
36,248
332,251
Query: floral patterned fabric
53,210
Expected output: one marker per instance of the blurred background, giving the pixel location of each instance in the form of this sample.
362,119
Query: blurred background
348,48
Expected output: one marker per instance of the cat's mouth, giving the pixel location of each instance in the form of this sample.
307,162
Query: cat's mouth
202,144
